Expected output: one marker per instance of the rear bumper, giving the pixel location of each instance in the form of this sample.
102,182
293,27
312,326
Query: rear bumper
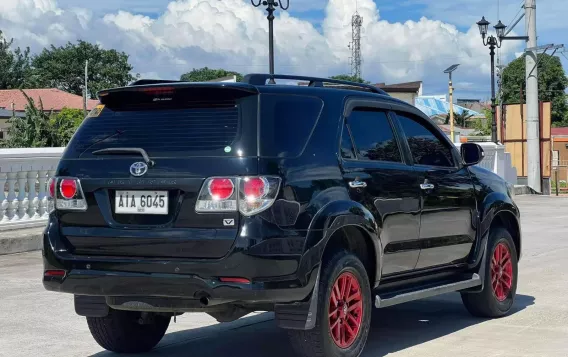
274,279
112,283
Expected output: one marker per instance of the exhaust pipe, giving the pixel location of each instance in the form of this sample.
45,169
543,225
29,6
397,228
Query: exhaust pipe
204,300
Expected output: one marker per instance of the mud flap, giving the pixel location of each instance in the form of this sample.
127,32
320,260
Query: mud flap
301,315
482,270
91,306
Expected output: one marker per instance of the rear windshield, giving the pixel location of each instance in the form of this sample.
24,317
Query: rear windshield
286,123
180,125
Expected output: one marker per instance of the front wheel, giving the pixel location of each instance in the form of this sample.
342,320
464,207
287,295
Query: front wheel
126,332
343,312
500,284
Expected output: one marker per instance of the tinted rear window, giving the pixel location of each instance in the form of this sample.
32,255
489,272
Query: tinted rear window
286,123
221,127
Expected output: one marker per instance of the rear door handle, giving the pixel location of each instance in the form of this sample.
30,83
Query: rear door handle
357,184
427,186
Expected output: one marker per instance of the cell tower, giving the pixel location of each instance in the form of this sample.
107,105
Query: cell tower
355,45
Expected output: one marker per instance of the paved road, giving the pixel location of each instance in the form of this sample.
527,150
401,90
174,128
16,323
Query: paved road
34,322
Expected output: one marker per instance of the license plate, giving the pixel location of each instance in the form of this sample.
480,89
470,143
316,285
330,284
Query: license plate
141,202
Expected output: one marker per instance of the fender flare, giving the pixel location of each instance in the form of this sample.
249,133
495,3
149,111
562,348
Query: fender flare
493,205
330,218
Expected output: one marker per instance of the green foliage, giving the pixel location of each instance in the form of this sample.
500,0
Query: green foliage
64,68
39,128
460,120
14,65
561,184
207,74
483,128
64,124
552,83
350,78
30,131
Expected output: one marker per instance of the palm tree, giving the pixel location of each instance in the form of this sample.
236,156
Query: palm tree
460,119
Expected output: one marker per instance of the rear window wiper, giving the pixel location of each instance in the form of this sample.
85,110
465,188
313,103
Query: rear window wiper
123,151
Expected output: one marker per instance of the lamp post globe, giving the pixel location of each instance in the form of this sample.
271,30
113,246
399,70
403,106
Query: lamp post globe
483,26
500,29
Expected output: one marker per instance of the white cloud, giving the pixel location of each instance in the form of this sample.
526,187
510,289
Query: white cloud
233,34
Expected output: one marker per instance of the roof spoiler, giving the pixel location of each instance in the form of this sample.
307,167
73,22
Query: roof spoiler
258,79
143,82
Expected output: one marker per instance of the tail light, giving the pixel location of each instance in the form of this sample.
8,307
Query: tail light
251,196
221,189
51,186
217,195
257,194
67,194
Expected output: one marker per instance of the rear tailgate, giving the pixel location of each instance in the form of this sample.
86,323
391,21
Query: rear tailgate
191,132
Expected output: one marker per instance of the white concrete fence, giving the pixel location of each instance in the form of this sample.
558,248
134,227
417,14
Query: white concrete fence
498,161
24,174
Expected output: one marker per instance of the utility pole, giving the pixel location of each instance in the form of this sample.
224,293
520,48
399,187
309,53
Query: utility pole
533,120
500,68
449,70
86,98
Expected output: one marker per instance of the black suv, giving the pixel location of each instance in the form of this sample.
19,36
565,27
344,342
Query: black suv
316,201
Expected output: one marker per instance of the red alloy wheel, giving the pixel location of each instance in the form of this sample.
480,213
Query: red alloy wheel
345,310
501,272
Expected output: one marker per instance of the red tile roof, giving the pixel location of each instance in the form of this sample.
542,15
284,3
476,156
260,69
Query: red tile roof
52,99
559,131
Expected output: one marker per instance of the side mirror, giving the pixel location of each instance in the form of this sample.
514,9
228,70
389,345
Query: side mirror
471,153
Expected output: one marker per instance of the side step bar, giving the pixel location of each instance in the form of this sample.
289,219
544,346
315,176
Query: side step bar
474,281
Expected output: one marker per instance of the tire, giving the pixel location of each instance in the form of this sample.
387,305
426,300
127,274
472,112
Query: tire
342,269
500,280
121,332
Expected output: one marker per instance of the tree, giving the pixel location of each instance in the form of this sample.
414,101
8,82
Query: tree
552,83
64,124
207,74
64,68
39,128
350,78
460,119
32,130
14,65
483,128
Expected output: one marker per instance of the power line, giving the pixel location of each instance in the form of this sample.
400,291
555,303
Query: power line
521,8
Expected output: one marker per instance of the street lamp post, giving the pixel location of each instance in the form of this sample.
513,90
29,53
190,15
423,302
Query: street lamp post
492,42
271,6
451,90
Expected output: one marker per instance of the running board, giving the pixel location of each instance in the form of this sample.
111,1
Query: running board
391,300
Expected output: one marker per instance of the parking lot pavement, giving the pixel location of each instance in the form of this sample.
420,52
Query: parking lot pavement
34,322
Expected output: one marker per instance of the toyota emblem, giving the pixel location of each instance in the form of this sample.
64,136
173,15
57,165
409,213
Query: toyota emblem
138,169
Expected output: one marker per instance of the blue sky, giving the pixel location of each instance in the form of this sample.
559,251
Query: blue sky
404,40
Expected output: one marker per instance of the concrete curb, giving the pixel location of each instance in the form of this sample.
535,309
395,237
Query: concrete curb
523,190
21,240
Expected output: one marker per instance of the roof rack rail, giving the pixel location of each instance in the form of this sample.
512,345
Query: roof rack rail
142,82
259,79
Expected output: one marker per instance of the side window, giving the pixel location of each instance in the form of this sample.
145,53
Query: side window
347,151
425,146
373,136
